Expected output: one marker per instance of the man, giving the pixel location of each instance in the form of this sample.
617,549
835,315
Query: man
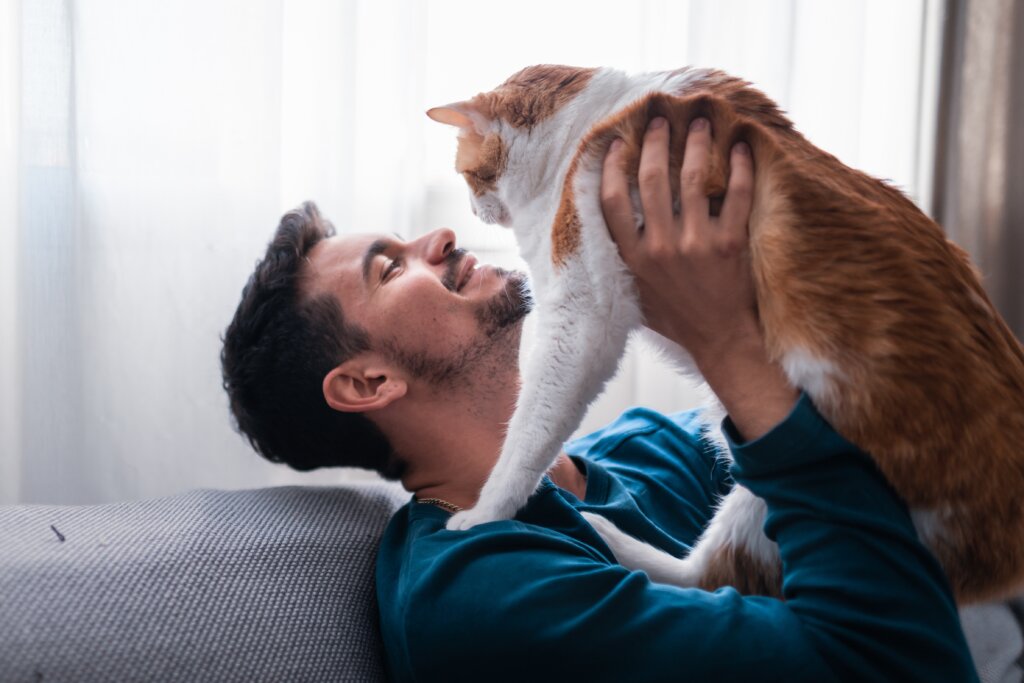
402,357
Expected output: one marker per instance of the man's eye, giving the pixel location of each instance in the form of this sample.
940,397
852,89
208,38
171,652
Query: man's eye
391,267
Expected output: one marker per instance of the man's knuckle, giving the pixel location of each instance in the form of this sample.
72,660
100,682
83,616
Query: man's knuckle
649,175
613,196
658,252
741,190
694,177
730,246
741,186
690,244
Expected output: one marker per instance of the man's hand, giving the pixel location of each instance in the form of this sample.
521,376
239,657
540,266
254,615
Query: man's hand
693,270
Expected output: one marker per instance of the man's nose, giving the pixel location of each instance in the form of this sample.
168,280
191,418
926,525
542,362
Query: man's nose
438,244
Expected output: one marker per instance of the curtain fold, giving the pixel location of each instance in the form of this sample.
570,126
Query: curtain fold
979,173
50,278
10,420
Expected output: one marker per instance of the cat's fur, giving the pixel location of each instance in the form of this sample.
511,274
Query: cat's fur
863,301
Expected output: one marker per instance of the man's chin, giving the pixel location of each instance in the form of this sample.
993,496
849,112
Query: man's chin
509,305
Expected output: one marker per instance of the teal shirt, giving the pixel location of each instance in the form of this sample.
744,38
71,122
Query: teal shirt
541,596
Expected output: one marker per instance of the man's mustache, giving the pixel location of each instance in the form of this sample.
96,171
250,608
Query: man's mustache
452,262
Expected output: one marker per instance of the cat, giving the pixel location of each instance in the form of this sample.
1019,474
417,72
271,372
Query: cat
864,303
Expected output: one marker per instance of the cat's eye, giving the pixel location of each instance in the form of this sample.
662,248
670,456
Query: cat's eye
484,178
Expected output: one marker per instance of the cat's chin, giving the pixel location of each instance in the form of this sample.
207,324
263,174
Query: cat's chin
492,211
499,218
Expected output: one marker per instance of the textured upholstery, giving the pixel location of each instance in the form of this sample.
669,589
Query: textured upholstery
266,585
994,636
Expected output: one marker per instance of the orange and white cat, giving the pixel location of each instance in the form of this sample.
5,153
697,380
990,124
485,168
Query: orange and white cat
864,303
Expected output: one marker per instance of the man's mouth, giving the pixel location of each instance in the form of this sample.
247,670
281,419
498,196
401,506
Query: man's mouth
466,270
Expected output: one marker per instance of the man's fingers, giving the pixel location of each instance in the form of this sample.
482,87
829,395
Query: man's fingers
739,197
655,189
615,201
694,175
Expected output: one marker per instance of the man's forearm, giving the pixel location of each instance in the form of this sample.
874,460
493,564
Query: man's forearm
871,599
753,390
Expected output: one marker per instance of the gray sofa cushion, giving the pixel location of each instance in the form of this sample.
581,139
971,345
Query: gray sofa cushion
265,585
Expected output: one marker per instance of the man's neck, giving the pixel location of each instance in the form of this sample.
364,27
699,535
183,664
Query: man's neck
453,451
452,441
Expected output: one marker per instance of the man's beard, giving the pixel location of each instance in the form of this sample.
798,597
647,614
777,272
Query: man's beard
498,318
508,306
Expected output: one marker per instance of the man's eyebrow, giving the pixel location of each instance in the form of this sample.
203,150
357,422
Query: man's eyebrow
375,249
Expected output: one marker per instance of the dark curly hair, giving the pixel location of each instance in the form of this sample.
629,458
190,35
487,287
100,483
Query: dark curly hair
277,350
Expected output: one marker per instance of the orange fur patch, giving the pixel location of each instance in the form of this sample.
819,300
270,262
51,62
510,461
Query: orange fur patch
565,235
733,566
481,161
533,94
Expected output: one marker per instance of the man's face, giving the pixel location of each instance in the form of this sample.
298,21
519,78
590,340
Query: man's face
426,304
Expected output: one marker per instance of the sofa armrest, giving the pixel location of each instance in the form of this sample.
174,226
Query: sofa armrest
270,584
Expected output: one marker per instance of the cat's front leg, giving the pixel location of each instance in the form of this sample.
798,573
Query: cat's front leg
577,351
510,483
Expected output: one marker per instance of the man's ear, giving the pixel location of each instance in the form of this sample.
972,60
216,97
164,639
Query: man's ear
358,386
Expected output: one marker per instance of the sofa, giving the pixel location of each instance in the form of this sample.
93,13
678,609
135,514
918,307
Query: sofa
271,584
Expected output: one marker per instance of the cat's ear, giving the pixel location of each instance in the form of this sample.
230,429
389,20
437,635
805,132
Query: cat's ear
452,115
480,150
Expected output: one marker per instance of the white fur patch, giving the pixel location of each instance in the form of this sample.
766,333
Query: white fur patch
813,374
930,524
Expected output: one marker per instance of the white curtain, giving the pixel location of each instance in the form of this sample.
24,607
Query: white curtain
150,147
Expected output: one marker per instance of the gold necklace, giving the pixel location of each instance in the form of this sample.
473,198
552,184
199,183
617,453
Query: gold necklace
450,507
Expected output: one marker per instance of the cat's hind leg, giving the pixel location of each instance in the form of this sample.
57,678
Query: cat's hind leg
634,554
733,551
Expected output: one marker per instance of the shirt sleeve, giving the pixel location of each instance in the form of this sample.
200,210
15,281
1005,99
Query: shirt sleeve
864,600
870,598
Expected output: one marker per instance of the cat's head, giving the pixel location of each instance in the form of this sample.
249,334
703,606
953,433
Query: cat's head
499,132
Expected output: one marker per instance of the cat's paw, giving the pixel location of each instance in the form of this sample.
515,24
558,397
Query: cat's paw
481,514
